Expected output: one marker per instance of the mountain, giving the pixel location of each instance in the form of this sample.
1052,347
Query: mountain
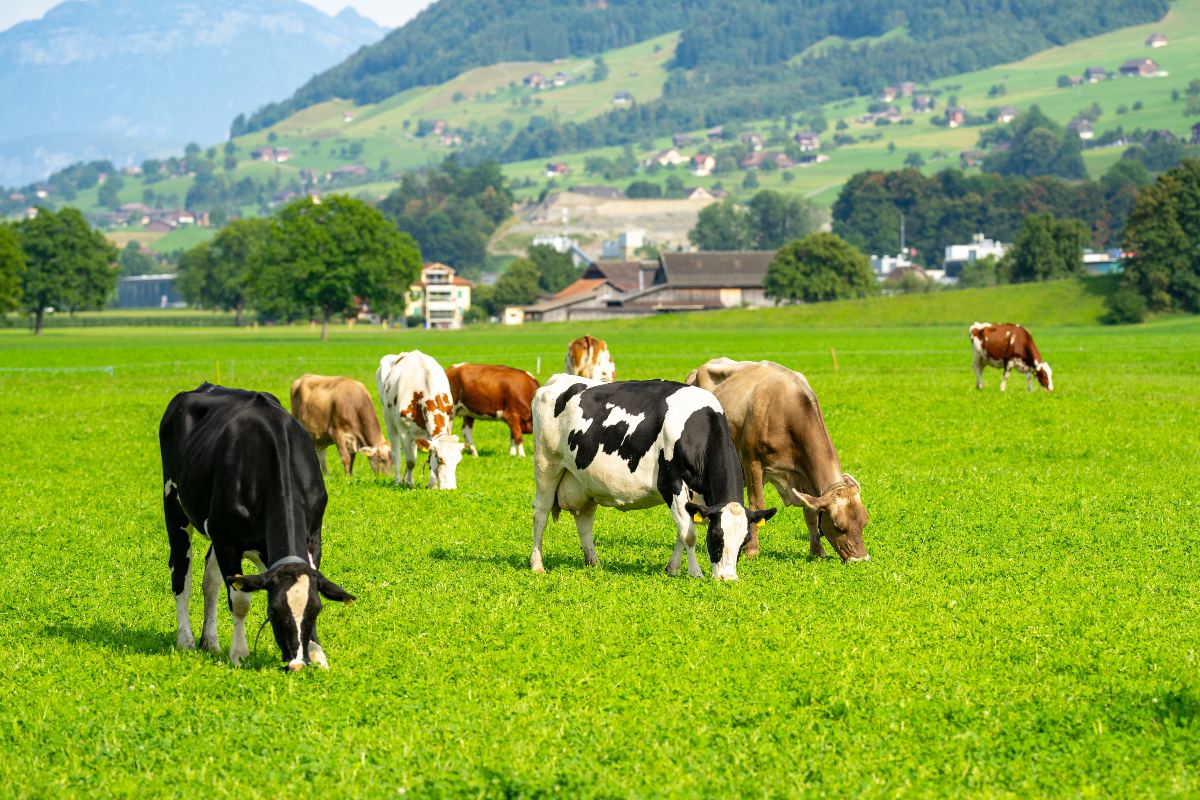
126,79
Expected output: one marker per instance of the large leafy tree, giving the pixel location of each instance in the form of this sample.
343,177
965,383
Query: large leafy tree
323,256
1037,145
777,218
519,285
217,274
819,267
1163,235
1045,248
69,264
12,268
556,270
723,226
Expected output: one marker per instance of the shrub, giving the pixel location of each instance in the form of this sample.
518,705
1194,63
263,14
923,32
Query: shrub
1125,307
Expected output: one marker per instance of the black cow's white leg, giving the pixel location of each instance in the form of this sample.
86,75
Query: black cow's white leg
815,548
212,591
239,604
583,523
978,365
685,529
179,535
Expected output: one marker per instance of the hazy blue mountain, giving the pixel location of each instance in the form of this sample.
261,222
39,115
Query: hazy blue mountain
126,79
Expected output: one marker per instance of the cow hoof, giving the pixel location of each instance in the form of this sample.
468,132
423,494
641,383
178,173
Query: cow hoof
751,551
185,641
210,644
696,574
537,567
591,562
235,657
672,570
316,655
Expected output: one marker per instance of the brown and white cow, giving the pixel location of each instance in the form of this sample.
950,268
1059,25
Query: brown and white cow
493,391
781,437
588,357
339,411
417,405
1008,347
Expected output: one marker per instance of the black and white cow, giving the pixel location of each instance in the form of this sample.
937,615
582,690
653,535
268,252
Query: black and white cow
242,472
637,444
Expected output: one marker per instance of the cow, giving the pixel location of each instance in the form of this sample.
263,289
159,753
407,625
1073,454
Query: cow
492,391
1008,347
339,411
588,357
636,444
780,435
241,471
418,410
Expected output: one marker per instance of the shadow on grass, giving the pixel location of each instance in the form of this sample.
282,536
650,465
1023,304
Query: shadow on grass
149,641
552,563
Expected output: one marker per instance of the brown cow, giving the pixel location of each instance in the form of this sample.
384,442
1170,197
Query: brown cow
588,357
781,437
1007,347
339,411
492,391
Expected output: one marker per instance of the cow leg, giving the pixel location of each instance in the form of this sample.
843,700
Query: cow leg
583,524
321,460
229,562
346,454
685,529
815,548
754,487
468,432
211,586
516,441
546,486
1029,381
179,535
1004,379
978,365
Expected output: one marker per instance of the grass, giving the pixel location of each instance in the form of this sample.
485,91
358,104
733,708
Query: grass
1025,626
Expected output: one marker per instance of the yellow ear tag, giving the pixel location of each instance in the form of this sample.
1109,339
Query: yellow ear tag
236,583
423,446
762,523
697,518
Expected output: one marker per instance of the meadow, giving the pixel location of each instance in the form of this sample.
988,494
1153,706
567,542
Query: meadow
1026,625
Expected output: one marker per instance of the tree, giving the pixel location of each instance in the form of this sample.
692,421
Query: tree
134,262
1045,248
914,160
69,264
599,70
519,285
217,274
1037,146
819,267
556,270
777,218
642,190
12,268
1162,232
322,257
723,226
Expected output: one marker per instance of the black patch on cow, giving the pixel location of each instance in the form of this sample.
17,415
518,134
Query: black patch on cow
560,405
645,398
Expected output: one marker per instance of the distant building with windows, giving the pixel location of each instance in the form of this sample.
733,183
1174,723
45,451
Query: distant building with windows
148,291
441,298
979,248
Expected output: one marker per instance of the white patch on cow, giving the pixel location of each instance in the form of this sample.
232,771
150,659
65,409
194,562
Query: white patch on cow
239,603
617,415
211,586
297,600
185,640
317,655
206,533
405,375
734,527
168,486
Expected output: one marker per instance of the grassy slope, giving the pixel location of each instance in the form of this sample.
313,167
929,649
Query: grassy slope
1023,628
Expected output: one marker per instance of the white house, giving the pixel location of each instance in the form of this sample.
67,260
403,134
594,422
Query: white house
958,255
441,298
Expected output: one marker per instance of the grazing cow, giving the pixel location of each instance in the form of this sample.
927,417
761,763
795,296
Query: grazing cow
241,471
588,357
781,437
417,409
1008,347
339,411
491,391
637,444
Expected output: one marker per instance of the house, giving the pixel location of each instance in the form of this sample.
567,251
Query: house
883,266
1082,128
602,192
560,79
622,98
1103,262
1076,81
535,80
923,103
1139,68
276,155
889,94
158,226
752,140
1006,114
1156,40
667,158
699,193
1094,74
808,159
556,169
898,273
892,113
907,88
756,160
955,116
603,283
970,158
703,165
439,127
716,134
807,140
347,116
624,246
148,291
682,140
441,297
450,139
347,171
959,255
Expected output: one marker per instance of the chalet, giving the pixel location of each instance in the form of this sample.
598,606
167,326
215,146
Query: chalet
439,127
441,298
781,160
892,113
955,116
807,140
601,192
889,94
808,159
622,98
560,79
1006,114
1140,68
970,158
535,80
752,140
682,140
1095,74
449,139
347,116
1156,40
347,171
274,155
158,226
716,134
699,193
703,165
1076,80
556,169
667,158
907,88
923,103
1082,128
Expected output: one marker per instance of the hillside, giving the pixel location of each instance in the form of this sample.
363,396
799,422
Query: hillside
127,79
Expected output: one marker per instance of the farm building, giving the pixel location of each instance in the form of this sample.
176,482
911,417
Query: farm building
1095,74
1156,40
148,291
1140,68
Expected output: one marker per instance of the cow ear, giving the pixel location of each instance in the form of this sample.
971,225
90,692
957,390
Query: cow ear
849,479
807,500
246,583
761,516
331,591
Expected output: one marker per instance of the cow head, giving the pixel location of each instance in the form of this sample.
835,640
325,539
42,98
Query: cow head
604,370
444,454
841,517
728,531
293,602
379,457
1045,376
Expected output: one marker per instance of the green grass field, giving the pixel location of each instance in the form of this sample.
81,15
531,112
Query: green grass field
1025,627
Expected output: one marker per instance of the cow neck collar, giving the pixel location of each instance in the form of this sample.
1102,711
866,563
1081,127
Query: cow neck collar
835,485
287,560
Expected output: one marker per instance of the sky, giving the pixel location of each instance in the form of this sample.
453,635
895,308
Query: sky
391,13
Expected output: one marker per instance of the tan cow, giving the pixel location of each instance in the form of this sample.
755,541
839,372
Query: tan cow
339,411
1008,347
588,357
781,437
492,391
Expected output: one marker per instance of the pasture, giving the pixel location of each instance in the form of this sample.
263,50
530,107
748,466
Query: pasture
1026,625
